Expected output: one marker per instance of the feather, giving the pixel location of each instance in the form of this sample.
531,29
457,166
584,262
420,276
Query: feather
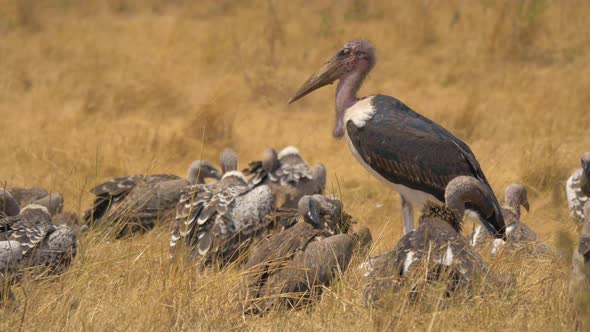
575,196
289,268
410,150
290,178
435,245
213,235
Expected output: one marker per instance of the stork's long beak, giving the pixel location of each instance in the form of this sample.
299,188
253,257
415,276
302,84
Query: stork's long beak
327,74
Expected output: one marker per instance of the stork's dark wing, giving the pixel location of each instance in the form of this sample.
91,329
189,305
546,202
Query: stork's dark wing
408,149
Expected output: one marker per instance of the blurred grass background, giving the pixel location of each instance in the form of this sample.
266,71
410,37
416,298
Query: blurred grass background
95,89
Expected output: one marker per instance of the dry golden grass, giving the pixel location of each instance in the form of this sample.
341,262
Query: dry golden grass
95,89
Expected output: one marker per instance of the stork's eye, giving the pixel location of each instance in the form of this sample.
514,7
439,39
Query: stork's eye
344,52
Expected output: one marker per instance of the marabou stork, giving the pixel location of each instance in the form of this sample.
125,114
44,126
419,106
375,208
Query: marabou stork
405,150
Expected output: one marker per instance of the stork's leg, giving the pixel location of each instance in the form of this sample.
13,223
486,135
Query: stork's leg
408,214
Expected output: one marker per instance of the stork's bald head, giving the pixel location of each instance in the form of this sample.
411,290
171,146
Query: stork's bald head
356,56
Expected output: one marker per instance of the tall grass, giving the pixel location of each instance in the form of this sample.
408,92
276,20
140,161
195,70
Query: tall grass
90,90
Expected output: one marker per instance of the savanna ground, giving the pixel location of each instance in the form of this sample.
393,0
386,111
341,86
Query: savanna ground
95,89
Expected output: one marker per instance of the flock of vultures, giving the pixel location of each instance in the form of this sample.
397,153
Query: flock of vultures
273,221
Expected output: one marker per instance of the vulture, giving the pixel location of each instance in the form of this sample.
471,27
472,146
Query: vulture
10,258
135,203
53,202
27,195
579,290
578,189
287,174
44,246
436,244
518,234
289,269
214,222
8,204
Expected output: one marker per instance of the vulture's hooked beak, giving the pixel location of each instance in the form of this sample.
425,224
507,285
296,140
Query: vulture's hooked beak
314,215
215,174
526,205
310,209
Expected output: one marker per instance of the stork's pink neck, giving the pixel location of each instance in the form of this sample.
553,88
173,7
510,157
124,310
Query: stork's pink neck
346,91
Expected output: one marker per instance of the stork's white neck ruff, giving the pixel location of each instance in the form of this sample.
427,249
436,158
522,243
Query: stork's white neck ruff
359,114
